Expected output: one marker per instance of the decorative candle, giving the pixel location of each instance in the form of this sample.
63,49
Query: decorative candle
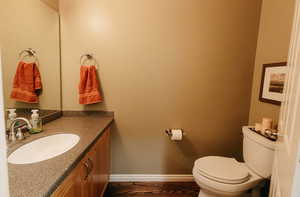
258,126
267,124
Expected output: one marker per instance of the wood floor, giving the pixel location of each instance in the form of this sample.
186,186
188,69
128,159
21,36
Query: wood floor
185,189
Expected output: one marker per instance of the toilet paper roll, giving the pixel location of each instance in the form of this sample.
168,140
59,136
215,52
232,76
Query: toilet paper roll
176,134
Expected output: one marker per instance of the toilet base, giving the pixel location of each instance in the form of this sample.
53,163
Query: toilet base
205,193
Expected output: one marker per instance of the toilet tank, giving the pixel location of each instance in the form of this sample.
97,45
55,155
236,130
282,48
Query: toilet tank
258,152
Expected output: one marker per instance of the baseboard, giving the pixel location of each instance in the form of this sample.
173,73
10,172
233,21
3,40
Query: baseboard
151,178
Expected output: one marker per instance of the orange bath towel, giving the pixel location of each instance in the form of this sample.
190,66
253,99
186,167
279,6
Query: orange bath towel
89,92
27,83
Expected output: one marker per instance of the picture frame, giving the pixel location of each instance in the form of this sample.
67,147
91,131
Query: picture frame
272,83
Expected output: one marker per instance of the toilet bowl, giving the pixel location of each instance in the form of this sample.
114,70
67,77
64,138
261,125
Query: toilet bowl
232,179
223,176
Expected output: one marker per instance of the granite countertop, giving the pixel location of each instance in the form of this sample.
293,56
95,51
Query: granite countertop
42,178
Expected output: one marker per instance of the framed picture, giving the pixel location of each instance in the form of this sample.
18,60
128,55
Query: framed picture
272,83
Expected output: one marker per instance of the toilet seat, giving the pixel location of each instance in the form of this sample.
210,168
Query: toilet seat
224,189
224,180
222,169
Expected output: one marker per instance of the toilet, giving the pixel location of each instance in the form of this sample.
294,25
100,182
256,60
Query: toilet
223,176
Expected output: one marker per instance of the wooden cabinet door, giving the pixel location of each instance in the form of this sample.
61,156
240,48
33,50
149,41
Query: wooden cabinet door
98,168
106,156
71,187
102,148
93,173
88,187
90,177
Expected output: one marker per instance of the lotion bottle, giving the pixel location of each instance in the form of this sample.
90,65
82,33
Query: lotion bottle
36,122
11,117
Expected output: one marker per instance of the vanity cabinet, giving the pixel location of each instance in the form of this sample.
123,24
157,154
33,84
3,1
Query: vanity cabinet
90,176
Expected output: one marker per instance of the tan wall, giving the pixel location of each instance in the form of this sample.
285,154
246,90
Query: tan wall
272,46
165,64
52,3
24,24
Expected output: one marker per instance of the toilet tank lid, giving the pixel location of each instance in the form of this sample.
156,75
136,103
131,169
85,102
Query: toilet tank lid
248,133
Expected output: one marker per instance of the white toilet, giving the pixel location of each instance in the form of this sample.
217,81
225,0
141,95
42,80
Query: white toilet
223,176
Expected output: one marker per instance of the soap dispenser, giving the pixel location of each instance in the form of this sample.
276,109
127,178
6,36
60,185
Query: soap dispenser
36,122
11,117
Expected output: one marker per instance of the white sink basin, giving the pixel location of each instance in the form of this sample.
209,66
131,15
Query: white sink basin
43,149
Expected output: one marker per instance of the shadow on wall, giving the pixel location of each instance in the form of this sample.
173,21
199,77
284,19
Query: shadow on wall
160,155
188,153
119,160
156,156
183,149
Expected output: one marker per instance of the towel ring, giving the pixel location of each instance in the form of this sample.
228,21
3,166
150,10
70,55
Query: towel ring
29,53
86,57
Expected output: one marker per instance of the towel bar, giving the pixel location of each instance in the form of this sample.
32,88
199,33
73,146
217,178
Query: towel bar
29,51
88,56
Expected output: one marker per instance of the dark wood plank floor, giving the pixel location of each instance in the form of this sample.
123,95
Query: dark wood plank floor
139,189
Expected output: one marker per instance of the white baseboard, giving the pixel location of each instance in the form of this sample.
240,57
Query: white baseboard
151,178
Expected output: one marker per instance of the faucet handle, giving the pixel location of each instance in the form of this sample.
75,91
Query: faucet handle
12,136
19,134
24,127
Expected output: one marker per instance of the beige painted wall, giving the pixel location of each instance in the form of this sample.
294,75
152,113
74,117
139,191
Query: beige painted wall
164,64
24,24
54,4
273,45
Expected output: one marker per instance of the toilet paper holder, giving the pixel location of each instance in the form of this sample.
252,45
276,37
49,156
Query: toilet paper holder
169,131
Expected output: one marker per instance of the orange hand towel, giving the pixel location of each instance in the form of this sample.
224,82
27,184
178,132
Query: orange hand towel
27,83
89,92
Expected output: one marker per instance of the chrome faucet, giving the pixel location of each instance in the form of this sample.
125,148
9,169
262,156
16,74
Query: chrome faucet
12,135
